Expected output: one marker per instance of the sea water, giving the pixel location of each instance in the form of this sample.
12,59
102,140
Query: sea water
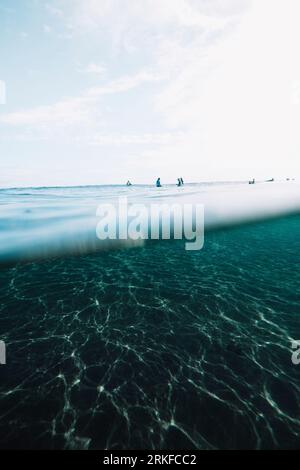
38,223
150,347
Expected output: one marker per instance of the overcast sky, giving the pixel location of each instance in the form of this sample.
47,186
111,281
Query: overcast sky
101,91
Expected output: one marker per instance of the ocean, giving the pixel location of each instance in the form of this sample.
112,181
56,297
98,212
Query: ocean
150,346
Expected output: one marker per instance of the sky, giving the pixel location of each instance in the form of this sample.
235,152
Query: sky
102,91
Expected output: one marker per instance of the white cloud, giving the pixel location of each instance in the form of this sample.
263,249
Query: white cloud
47,29
134,26
235,98
65,112
134,13
120,140
79,112
94,69
53,10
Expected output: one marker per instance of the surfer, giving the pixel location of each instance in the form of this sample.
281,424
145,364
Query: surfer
128,183
252,182
158,183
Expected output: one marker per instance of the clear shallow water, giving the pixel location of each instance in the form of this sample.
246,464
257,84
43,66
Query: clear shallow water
156,347
38,223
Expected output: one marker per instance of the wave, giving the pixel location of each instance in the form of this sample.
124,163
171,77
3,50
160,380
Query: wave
46,222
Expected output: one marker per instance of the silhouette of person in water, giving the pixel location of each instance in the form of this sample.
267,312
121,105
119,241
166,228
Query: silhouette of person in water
158,183
128,183
182,182
179,182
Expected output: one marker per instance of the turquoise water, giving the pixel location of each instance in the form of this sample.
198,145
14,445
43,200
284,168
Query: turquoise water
37,223
156,347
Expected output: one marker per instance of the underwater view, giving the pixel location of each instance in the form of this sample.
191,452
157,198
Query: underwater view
150,347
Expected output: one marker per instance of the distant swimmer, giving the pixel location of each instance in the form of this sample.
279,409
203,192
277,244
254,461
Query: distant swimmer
128,183
179,182
271,180
252,182
158,183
